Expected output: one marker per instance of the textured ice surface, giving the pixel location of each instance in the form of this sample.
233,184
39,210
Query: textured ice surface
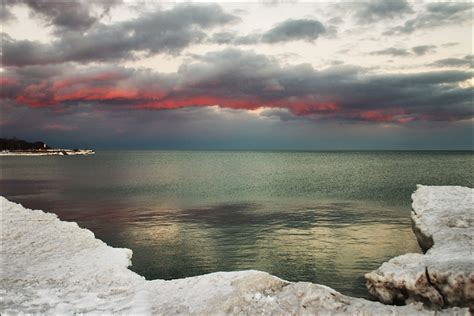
443,221
51,266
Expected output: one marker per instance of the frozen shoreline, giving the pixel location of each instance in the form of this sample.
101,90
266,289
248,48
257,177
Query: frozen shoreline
443,222
48,152
51,266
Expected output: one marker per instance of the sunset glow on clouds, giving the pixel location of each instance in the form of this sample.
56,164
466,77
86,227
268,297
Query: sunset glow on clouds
294,68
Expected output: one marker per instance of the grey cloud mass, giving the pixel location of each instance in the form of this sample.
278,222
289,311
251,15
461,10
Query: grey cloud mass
223,38
73,15
435,15
374,11
466,61
160,31
290,30
5,13
423,49
64,15
402,52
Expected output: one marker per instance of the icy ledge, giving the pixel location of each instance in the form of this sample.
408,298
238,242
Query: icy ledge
443,222
55,267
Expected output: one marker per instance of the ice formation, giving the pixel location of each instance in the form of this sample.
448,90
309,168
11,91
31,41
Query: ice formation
443,221
55,267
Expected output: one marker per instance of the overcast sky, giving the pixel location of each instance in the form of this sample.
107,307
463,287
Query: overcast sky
306,76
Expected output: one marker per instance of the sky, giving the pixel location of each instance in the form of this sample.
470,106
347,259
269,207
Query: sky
390,75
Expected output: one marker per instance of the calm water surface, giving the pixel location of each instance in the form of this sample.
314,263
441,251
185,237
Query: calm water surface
303,216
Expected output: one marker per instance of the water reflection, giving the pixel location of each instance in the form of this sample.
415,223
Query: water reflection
319,217
333,243
328,244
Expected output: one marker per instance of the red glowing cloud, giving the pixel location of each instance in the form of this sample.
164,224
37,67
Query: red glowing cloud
8,81
107,87
103,87
145,91
376,116
100,87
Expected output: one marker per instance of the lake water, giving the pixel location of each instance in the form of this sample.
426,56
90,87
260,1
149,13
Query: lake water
324,217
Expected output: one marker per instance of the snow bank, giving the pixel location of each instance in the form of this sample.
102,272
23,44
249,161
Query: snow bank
51,266
443,221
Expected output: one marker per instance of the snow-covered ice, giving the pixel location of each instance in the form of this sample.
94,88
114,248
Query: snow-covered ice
55,267
443,221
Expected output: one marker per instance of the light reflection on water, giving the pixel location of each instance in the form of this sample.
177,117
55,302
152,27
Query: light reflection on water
320,217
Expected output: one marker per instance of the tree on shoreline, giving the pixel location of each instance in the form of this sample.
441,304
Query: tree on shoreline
13,144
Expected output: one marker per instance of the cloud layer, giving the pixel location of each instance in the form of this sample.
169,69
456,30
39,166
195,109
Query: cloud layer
92,68
155,32
241,79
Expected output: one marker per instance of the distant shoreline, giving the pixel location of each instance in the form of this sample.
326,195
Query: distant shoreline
47,152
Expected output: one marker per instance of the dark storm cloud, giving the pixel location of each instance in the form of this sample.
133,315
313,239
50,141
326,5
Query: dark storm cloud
208,128
435,15
375,11
157,32
290,30
245,80
466,61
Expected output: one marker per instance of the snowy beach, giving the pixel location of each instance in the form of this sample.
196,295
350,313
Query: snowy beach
51,266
